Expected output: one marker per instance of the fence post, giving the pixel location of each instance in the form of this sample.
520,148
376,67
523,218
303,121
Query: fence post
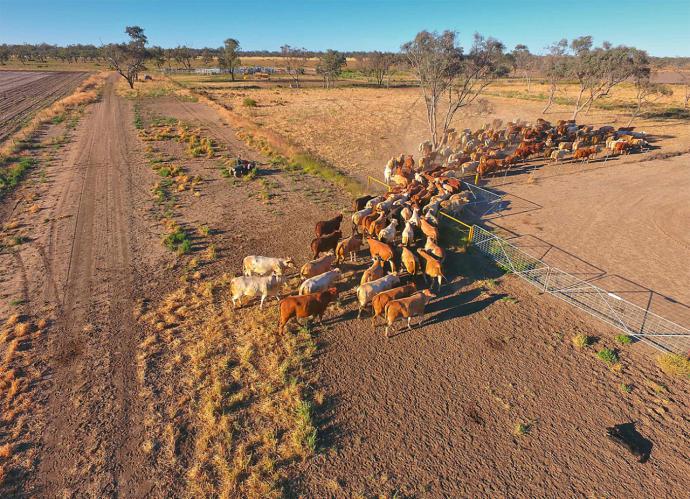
546,281
470,236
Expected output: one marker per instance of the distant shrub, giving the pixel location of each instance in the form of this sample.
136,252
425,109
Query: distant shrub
247,102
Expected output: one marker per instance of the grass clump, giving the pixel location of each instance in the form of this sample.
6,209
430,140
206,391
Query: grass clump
522,429
624,339
249,102
178,240
582,340
609,356
674,365
625,387
12,173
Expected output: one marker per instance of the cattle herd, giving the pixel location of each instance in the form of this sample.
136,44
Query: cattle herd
417,193
494,148
395,254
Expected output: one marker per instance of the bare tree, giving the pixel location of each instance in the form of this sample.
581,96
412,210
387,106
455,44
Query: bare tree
206,56
646,92
330,66
450,79
379,65
555,68
295,61
128,58
184,56
599,70
229,56
523,63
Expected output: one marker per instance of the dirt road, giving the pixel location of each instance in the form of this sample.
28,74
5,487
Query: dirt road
91,271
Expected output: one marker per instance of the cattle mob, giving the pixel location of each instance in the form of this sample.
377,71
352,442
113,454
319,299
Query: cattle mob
492,148
402,225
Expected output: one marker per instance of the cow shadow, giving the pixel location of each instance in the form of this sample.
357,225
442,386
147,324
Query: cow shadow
453,307
627,436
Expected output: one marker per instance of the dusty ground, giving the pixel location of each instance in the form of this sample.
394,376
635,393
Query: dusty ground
622,226
22,94
430,412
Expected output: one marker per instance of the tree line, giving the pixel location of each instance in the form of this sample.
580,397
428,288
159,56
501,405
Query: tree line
449,76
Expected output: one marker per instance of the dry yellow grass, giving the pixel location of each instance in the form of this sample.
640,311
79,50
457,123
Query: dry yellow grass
357,129
246,387
18,375
674,365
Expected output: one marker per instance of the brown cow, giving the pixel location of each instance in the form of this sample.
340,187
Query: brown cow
382,251
328,226
379,302
409,261
412,306
348,246
375,271
300,307
325,243
585,153
429,229
432,267
435,249
361,202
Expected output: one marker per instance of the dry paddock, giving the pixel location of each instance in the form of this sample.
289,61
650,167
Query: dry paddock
432,412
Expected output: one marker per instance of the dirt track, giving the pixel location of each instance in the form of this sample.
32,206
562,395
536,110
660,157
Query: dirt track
83,270
22,94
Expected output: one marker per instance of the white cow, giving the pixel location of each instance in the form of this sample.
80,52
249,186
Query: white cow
252,286
408,234
388,171
387,234
320,282
367,291
265,265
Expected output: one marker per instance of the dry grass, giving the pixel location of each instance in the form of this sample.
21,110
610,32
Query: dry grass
581,340
19,375
247,387
274,143
674,365
357,129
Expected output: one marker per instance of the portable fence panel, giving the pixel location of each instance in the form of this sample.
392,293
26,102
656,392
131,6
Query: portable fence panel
608,307
482,201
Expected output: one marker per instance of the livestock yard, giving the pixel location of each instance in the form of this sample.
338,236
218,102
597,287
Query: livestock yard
213,287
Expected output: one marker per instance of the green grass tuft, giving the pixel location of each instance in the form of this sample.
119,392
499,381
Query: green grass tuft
607,355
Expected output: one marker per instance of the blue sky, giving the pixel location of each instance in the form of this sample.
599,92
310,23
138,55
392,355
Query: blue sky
662,27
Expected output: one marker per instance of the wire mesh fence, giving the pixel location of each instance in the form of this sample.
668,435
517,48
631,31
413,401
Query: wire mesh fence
635,321
482,201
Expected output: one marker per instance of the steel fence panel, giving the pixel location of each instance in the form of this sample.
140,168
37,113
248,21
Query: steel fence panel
635,321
